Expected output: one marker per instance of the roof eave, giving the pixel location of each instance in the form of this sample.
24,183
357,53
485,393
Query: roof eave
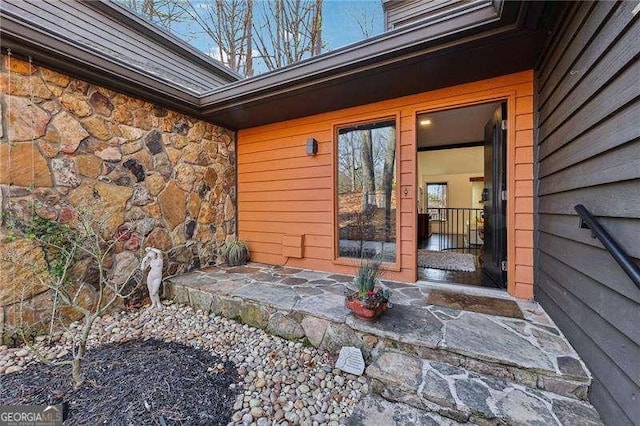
26,38
64,55
118,12
477,16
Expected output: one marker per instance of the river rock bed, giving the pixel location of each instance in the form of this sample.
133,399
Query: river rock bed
279,381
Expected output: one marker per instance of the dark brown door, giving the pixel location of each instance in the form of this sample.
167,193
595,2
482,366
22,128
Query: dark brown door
495,185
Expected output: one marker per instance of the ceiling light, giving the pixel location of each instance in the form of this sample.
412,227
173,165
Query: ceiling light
425,122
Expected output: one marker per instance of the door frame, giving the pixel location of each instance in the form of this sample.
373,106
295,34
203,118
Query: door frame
497,162
465,100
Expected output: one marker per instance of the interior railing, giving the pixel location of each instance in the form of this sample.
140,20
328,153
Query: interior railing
458,229
618,253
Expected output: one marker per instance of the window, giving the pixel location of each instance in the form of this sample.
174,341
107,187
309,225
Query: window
437,200
366,183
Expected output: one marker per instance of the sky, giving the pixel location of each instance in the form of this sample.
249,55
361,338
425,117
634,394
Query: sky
340,24
339,18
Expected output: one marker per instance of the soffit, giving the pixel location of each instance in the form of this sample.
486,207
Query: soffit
476,40
480,40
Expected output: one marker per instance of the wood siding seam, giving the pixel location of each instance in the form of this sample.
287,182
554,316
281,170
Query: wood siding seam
584,35
586,58
618,130
563,41
585,267
562,270
626,231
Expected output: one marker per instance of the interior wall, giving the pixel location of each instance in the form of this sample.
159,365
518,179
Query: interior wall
455,167
458,188
451,161
476,194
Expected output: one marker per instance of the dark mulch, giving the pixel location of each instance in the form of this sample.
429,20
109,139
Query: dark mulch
134,383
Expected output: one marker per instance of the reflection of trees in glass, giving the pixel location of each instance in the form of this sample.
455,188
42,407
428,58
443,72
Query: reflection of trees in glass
350,157
366,180
368,172
387,178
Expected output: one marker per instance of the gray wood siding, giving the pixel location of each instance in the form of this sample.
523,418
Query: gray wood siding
403,12
588,152
131,44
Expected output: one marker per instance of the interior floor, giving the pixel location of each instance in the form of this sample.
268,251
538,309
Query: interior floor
440,242
449,242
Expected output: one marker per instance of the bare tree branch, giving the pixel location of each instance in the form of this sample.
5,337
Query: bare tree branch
63,247
164,13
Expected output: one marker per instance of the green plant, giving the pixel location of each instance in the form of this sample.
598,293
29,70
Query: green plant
236,252
57,240
369,272
367,280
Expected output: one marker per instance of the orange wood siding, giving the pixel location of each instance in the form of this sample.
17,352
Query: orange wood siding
282,191
520,251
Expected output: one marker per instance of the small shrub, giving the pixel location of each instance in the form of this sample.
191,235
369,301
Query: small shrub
369,293
236,252
64,246
367,276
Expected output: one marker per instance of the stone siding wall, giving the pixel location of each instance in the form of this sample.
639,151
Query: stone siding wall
157,177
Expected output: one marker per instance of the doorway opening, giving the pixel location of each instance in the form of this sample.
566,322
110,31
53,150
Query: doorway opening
461,158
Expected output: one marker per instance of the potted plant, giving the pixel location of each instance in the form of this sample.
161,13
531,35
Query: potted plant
236,252
370,300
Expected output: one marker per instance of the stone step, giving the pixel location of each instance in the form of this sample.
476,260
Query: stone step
469,397
301,304
374,410
526,352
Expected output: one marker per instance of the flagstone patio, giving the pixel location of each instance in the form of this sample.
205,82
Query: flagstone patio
479,358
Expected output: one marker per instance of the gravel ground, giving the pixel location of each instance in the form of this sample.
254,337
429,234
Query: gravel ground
281,382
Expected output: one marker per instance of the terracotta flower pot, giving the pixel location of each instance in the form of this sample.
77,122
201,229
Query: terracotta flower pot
361,310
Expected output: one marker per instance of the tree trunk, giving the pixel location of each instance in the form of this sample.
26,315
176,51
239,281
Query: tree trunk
353,167
248,69
218,38
368,173
387,179
76,373
280,38
76,363
316,34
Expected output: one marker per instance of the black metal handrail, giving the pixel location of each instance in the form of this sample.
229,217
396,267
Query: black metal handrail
618,253
456,228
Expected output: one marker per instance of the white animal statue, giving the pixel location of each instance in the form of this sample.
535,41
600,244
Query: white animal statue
153,260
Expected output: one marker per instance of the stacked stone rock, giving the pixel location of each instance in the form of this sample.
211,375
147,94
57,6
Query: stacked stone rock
155,177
